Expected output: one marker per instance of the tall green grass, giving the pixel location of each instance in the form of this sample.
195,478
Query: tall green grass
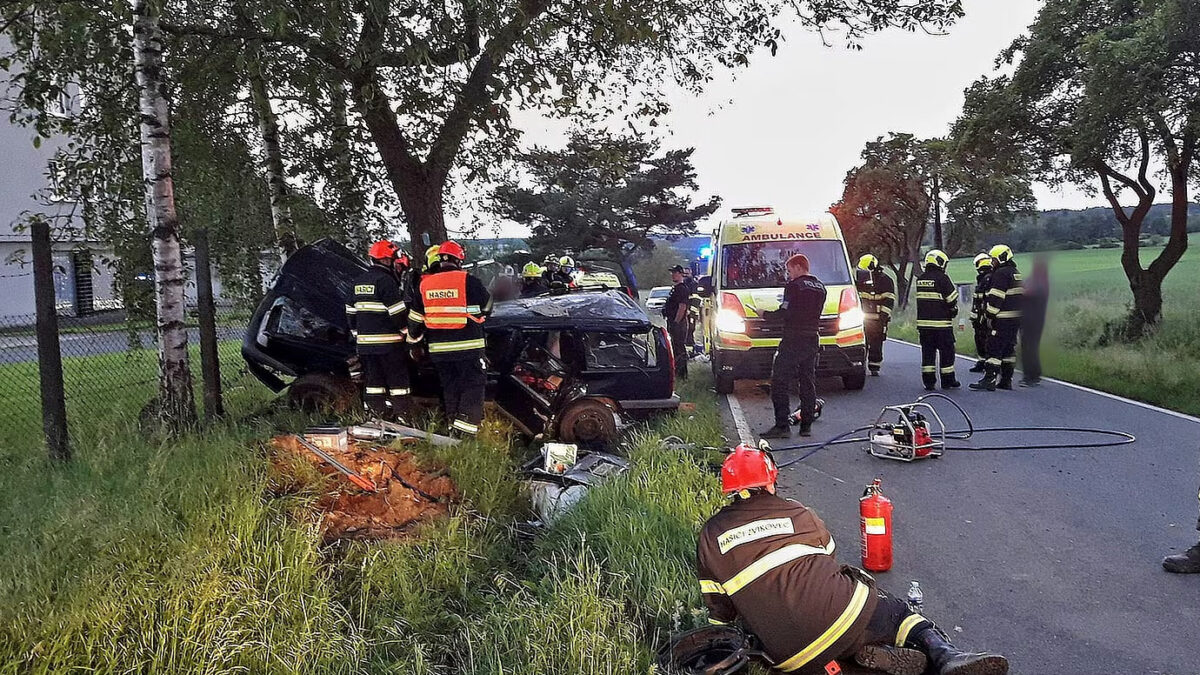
176,556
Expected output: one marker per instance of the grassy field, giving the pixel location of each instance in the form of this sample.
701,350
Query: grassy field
174,556
1088,291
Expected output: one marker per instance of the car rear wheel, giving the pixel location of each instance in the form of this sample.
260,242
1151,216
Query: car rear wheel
588,421
855,380
316,392
723,378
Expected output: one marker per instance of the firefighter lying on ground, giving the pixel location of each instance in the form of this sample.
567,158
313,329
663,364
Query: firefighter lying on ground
979,315
448,313
377,319
769,561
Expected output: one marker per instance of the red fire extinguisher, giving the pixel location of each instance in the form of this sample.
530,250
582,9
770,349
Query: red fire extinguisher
875,513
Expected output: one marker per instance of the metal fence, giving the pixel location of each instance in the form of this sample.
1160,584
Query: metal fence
110,367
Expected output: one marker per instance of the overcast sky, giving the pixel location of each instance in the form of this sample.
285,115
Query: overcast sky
784,131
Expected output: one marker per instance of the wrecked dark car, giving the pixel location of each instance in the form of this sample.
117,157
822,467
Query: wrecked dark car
571,366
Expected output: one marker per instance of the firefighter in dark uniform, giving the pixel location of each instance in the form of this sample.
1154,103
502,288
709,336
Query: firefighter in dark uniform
1003,300
553,273
675,311
979,316
878,295
532,283
448,314
937,305
796,357
769,561
377,319
1187,562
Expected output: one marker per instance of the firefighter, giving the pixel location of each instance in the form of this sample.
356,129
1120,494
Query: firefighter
937,305
1187,562
448,314
769,561
377,320
979,317
878,295
1003,302
675,311
552,273
566,265
532,283
796,357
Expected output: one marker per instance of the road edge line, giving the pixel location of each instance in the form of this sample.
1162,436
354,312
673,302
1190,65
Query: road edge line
739,419
1080,387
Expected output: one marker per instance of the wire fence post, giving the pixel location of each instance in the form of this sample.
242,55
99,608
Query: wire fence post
210,361
50,374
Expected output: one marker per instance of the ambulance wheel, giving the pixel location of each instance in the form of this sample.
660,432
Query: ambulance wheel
855,380
588,421
317,392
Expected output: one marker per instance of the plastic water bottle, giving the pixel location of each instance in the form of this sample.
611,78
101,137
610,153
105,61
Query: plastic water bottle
916,598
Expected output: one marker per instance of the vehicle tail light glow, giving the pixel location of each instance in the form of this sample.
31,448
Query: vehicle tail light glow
850,314
731,318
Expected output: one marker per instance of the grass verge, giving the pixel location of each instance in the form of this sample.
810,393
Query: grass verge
170,556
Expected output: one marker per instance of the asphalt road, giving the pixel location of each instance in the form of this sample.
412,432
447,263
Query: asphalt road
1048,556
21,348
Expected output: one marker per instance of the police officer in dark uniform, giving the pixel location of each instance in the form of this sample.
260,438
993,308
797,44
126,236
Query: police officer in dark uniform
1004,312
448,314
377,320
979,316
878,295
675,311
796,357
937,305
769,561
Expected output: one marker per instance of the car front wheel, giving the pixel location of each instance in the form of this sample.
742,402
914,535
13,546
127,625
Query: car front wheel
323,391
588,421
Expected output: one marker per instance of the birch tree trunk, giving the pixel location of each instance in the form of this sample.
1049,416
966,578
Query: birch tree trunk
176,405
268,125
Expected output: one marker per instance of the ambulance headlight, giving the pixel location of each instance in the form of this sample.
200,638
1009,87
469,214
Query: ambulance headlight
851,318
729,321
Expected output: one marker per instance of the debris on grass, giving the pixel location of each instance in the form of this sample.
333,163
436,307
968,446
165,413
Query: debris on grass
405,495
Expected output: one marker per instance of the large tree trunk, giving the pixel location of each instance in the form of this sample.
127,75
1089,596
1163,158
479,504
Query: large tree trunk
268,125
1147,290
350,201
176,405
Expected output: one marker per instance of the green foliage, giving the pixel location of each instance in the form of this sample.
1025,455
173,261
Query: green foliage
604,191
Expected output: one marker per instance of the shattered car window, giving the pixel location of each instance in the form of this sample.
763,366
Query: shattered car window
290,319
620,350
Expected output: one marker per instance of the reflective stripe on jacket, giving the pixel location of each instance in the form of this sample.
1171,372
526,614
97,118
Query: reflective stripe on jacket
937,300
448,312
1003,298
377,314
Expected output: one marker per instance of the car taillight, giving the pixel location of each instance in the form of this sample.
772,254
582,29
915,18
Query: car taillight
850,314
731,318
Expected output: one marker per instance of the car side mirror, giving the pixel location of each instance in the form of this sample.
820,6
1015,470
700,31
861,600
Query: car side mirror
704,286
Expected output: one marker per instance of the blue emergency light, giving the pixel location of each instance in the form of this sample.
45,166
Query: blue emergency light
706,252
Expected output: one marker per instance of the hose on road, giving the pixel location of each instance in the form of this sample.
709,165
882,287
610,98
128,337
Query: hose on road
1116,438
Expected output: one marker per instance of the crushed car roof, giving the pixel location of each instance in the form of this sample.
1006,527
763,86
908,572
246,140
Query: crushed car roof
607,311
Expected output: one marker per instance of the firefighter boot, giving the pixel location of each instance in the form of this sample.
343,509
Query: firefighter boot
777,431
979,367
891,660
929,379
1187,562
946,660
1006,376
949,381
400,410
988,383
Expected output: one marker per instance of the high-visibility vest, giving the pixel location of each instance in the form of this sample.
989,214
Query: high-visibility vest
445,298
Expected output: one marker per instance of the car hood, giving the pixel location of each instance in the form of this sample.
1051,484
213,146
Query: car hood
608,311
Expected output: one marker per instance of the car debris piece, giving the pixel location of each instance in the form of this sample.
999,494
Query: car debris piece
349,473
559,456
377,429
554,494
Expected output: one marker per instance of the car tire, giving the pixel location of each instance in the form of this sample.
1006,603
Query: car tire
588,421
723,380
317,392
855,380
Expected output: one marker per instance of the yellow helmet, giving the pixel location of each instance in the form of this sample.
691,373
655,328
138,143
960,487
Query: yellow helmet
868,262
983,260
937,259
1002,253
431,255
531,270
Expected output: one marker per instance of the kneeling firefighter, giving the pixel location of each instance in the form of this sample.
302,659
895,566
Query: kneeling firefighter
979,315
937,305
878,295
1004,313
377,320
448,314
769,561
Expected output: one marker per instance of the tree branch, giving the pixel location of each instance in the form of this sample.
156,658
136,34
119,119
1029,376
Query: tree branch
1103,171
316,47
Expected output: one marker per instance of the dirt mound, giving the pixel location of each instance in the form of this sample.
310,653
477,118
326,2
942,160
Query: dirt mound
405,494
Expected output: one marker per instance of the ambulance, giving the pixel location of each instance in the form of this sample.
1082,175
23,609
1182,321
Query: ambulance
746,275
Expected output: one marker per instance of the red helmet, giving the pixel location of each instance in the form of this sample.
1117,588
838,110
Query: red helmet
747,467
452,249
403,260
383,250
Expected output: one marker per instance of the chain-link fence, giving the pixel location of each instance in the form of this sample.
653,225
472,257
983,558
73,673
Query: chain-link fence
110,367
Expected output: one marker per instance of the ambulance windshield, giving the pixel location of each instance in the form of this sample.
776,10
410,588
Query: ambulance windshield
762,264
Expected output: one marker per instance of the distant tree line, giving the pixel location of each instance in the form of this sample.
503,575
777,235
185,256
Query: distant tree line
1066,229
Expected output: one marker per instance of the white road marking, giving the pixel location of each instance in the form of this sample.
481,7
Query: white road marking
827,475
1080,387
739,419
